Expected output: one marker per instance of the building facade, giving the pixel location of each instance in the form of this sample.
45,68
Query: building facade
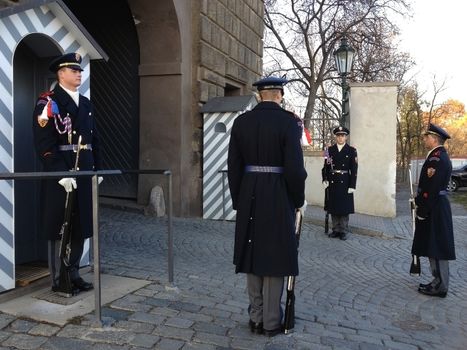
166,59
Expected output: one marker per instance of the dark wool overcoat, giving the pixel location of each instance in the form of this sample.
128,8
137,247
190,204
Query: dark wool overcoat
265,242
340,170
434,235
47,140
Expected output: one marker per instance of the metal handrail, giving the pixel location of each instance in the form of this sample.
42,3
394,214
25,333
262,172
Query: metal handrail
95,215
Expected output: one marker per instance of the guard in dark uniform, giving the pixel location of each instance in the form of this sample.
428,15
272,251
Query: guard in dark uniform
59,118
267,183
340,174
434,237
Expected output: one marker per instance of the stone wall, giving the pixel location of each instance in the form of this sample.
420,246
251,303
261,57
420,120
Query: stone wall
230,47
226,60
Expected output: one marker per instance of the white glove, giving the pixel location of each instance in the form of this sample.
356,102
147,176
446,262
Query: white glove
302,209
325,184
99,180
351,190
68,183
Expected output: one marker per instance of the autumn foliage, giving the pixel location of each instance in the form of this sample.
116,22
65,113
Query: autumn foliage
451,116
412,121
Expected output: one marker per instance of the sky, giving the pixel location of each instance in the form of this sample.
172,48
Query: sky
435,38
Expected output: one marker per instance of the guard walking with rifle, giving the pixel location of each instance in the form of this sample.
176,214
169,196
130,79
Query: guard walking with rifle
434,236
267,183
339,175
61,117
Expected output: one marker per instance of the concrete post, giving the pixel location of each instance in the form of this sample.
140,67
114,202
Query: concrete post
373,113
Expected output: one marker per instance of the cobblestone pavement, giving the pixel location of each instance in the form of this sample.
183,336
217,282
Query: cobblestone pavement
354,294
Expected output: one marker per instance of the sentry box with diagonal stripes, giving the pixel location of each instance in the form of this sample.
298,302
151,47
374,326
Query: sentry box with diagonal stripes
32,33
219,114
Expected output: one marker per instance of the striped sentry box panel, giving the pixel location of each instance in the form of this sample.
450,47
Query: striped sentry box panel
217,203
13,29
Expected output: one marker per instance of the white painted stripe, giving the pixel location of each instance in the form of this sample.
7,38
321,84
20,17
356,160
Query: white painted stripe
6,160
34,20
19,25
209,119
211,182
218,144
53,27
5,97
7,37
6,250
5,219
214,194
5,188
6,282
5,64
67,40
214,168
6,130
208,139
210,212
212,142
216,141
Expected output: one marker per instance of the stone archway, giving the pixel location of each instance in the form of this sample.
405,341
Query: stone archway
165,95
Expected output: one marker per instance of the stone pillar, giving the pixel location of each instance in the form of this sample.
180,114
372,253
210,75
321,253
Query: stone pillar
373,113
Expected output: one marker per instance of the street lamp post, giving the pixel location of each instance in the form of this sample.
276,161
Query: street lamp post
344,58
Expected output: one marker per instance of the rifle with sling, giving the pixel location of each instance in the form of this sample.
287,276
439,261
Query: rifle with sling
415,265
326,204
327,162
65,285
289,318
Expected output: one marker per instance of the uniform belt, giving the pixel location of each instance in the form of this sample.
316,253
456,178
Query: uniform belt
74,147
340,171
443,193
264,169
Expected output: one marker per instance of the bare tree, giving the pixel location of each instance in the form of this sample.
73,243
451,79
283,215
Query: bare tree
409,127
302,35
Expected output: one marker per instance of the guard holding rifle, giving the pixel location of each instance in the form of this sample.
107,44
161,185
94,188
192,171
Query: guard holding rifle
60,117
267,183
434,237
339,175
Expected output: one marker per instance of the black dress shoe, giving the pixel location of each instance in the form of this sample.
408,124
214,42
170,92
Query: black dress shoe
334,234
256,327
432,292
424,286
273,332
82,285
344,236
